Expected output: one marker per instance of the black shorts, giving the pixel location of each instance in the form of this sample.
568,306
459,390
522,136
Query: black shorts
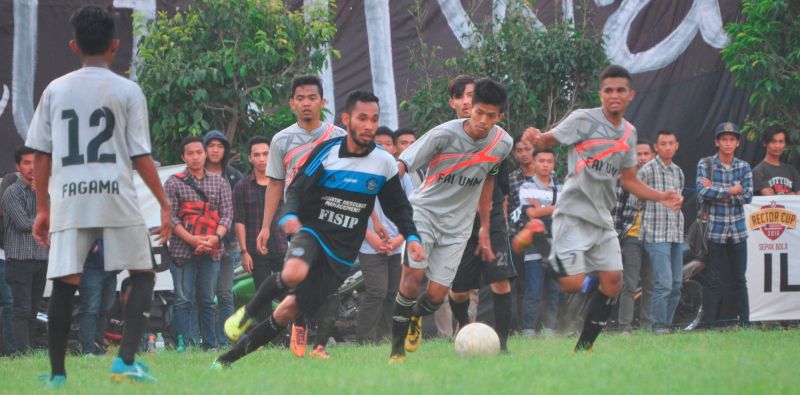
324,277
472,267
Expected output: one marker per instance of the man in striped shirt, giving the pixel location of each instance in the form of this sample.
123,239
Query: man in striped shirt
662,231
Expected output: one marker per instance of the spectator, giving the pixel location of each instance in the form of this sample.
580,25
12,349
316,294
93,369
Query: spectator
523,155
217,154
771,176
537,197
635,261
26,270
380,264
248,213
6,299
98,289
196,243
726,190
662,231
404,137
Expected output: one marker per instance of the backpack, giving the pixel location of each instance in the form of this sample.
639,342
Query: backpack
198,218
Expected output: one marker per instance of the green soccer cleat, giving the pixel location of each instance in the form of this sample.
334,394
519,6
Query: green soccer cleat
137,371
52,382
236,325
414,335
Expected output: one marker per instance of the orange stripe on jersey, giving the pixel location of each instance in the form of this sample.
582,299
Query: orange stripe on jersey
616,146
310,146
481,156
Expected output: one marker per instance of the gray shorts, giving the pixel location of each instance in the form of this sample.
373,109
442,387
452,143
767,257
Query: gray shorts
582,247
124,248
441,258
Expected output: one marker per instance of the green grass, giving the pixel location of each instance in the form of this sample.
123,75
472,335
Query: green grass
743,362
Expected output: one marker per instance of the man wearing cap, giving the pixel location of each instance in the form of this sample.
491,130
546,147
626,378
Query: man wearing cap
724,192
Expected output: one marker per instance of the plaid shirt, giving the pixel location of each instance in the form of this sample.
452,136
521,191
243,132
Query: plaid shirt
515,181
726,213
19,206
248,210
661,224
624,211
218,192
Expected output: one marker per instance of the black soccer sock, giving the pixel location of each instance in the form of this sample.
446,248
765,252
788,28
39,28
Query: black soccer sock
137,314
460,311
599,310
271,288
253,339
326,320
300,320
400,320
502,317
424,306
59,315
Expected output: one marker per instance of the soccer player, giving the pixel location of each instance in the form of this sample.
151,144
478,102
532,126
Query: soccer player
327,209
600,150
463,157
500,271
91,129
290,149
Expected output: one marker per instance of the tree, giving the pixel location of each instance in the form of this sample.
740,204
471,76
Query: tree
764,57
548,73
227,65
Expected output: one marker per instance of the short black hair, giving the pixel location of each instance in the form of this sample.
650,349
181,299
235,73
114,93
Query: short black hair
93,29
489,91
385,131
255,140
22,150
615,71
456,86
359,96
404,131
186,140
308,79
543,151
770,134
666,132
644,141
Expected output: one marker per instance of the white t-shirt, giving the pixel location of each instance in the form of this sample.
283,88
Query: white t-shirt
93,122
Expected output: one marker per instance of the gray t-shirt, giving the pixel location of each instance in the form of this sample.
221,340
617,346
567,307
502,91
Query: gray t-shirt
596,154
457,168
782,179
291,147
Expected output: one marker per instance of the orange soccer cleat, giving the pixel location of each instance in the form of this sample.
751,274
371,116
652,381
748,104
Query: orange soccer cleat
524,238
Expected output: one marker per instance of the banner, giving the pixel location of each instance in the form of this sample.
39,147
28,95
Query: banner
773,258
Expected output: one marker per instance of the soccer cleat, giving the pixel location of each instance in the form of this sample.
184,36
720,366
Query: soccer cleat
298,341
320,353
220,366
56,381
524,238
414,335
236,325
137,371
397,359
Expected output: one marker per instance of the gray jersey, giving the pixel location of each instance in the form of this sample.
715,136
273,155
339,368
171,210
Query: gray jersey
597,153
457,168
291,147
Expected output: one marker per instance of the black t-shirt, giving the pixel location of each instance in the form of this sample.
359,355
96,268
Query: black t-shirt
782,179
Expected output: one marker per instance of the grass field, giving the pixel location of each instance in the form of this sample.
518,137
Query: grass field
743,362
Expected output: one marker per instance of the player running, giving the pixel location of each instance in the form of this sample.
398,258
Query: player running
463,156
91,129
327,209
600,151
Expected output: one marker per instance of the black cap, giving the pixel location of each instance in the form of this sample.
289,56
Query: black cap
727,127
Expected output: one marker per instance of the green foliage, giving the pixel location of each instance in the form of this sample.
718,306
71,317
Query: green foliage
227,65
547,73
764,57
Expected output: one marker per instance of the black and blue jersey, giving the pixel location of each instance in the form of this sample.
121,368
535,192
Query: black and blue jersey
333,195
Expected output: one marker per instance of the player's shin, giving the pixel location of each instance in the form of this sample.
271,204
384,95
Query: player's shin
326,320
137,314
272,287
400,319
424,306
460,311
59,315
255,338
599,310
502,317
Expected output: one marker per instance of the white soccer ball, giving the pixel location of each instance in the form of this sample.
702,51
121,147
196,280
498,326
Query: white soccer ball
477,340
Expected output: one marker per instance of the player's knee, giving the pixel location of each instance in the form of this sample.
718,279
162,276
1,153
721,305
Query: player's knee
437,292
611,283
501,287
459,297
571,284
411,282
294,272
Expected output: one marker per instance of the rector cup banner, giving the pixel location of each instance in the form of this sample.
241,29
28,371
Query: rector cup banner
773,258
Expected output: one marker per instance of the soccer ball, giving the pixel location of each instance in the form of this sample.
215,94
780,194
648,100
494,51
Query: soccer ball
477,340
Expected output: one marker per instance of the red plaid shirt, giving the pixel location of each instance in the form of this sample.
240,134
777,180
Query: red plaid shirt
248,210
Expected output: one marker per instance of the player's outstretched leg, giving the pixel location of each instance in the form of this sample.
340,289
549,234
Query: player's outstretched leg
424,306
599,310
137,314
400,321
59,316
502,317
272,287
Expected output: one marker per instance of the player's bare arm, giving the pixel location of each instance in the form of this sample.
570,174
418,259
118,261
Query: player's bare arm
247,260
147,170
271,198
670,199
540,140
401,168
484,212
378,227
41,177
